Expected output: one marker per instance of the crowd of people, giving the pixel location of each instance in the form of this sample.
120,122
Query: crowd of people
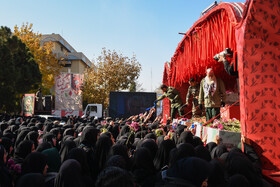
129,152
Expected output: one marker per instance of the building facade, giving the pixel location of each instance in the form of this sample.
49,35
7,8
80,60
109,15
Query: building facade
68,96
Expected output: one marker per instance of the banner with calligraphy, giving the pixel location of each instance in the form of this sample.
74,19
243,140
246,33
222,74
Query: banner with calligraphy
67,92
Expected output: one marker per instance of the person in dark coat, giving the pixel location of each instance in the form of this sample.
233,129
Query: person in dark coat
202,152
114,177
33,136
43,146
238,180
53,159
23,149
186,137
218,151
119,149
103,147
143,168
31,180
217,177
5,178
116,161
210,146
65,148
162,156
69,175
192,170
80,155
87,143
151,145
35,163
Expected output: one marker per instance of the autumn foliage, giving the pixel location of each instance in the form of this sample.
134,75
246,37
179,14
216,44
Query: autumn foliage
111,72
43,54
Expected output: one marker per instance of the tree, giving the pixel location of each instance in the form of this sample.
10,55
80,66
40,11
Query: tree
112,72
19,72
43,54
136,87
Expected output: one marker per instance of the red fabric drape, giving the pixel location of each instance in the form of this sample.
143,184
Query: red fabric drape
210,35
258,46
197,50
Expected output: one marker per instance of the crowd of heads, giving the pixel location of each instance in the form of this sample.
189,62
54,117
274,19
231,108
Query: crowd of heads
113,152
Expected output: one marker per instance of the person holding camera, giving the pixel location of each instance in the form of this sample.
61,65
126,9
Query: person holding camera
212,93
174,97
230,63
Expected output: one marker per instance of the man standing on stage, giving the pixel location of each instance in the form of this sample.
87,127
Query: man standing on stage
212,93
174,97
193,92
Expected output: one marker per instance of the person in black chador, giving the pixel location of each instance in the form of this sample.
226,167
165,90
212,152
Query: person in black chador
174,97
39,98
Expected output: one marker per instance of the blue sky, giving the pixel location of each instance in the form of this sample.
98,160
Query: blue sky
147,28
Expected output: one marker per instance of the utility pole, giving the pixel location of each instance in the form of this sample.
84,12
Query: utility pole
151,79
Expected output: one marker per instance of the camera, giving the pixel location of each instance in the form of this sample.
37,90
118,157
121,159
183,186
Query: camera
226,53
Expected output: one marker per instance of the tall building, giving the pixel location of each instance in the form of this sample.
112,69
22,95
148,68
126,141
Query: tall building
68,97
75,62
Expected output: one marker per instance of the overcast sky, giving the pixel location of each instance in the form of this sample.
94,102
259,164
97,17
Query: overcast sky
147,28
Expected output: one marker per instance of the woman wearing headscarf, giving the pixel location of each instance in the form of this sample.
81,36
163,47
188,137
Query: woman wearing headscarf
49,137
217,177
48,125
5,178
218,151
80,155
125,129
35,163
88,141
43,146
103,146
31,180
53,159
183,150
197,141
186,137
202,152
210,146
238,180
23,149
151,145
143,168
116,161
8,145
21,137
114,176
69,175
3,126
193,171
69,131
119,149
34,137
160,139
65,148
178,132
151,136
238,163
115,130
57,135
162,156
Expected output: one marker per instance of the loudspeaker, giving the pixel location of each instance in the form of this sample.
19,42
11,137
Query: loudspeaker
48,103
